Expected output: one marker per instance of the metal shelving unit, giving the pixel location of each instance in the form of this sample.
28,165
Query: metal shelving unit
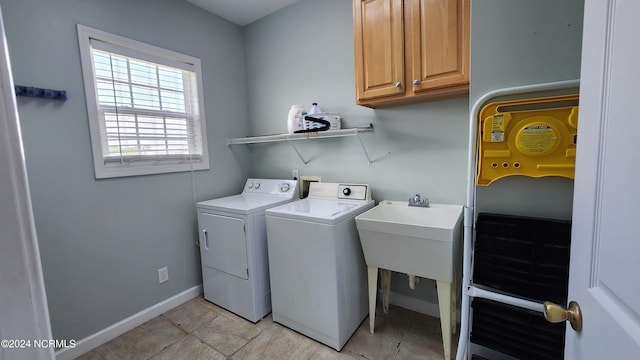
471,290
305,136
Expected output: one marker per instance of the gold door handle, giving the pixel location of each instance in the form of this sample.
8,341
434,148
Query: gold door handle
556,313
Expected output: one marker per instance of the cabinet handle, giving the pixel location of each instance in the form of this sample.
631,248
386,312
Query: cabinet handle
398,84
416,82
206,239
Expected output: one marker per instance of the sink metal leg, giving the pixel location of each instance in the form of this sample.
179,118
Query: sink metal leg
386,288
373,292
444,303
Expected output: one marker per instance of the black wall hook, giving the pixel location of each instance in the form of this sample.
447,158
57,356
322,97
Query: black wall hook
35,92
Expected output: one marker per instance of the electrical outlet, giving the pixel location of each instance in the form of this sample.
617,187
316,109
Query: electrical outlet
295,174
163,275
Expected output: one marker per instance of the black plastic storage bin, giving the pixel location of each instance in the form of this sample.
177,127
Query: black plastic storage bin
518,332
477,357
523,256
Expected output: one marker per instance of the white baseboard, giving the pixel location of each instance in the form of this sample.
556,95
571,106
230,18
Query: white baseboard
413,304
105,335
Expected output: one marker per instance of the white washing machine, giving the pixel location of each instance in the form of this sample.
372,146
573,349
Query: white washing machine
317,268
233,246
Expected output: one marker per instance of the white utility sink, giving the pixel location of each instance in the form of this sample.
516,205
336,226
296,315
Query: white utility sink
413,240
417,241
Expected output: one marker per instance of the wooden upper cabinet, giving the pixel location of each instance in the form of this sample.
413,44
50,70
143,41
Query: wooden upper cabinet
409,51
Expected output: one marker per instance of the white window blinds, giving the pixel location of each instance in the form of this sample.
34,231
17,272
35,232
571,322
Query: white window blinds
148,108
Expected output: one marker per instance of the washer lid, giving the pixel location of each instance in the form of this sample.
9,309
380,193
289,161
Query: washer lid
320,210
244,203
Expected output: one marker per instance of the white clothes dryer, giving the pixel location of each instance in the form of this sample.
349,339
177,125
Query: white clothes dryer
316,265
233,246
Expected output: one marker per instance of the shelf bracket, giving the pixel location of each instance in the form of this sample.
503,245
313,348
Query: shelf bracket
298,152
364,149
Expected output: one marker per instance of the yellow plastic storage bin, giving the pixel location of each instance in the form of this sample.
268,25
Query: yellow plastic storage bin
530,137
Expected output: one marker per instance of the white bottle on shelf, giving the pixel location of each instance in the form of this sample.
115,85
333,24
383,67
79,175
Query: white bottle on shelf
314,109
293,120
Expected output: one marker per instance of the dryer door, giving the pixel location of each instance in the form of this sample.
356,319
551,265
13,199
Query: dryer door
223,244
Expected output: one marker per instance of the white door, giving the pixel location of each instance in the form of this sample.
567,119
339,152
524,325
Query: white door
24,316
223,244
605,249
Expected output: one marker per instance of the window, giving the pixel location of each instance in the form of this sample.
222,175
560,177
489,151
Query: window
145,106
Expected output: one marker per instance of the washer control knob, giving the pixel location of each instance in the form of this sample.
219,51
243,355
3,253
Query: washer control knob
284,187
346,191
257,186
250,185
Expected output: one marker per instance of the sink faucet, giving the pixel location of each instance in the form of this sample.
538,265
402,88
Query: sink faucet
417,201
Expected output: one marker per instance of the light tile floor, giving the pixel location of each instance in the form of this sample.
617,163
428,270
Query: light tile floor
199,329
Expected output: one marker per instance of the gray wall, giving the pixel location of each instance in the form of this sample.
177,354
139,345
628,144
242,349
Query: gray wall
304,53
102,242
516,43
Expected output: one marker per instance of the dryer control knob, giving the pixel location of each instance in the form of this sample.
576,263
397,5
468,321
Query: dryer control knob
250,185
257,186
284,187
346,191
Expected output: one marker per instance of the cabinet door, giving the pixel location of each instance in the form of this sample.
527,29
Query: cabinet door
438,38
379,48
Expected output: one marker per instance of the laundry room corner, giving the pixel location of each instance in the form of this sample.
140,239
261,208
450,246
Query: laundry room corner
420,148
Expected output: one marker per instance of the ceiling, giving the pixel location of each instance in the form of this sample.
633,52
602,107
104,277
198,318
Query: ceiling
242,12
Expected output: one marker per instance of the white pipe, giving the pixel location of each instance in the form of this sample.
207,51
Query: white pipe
469,213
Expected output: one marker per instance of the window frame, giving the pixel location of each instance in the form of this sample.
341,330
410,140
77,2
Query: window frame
104,166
